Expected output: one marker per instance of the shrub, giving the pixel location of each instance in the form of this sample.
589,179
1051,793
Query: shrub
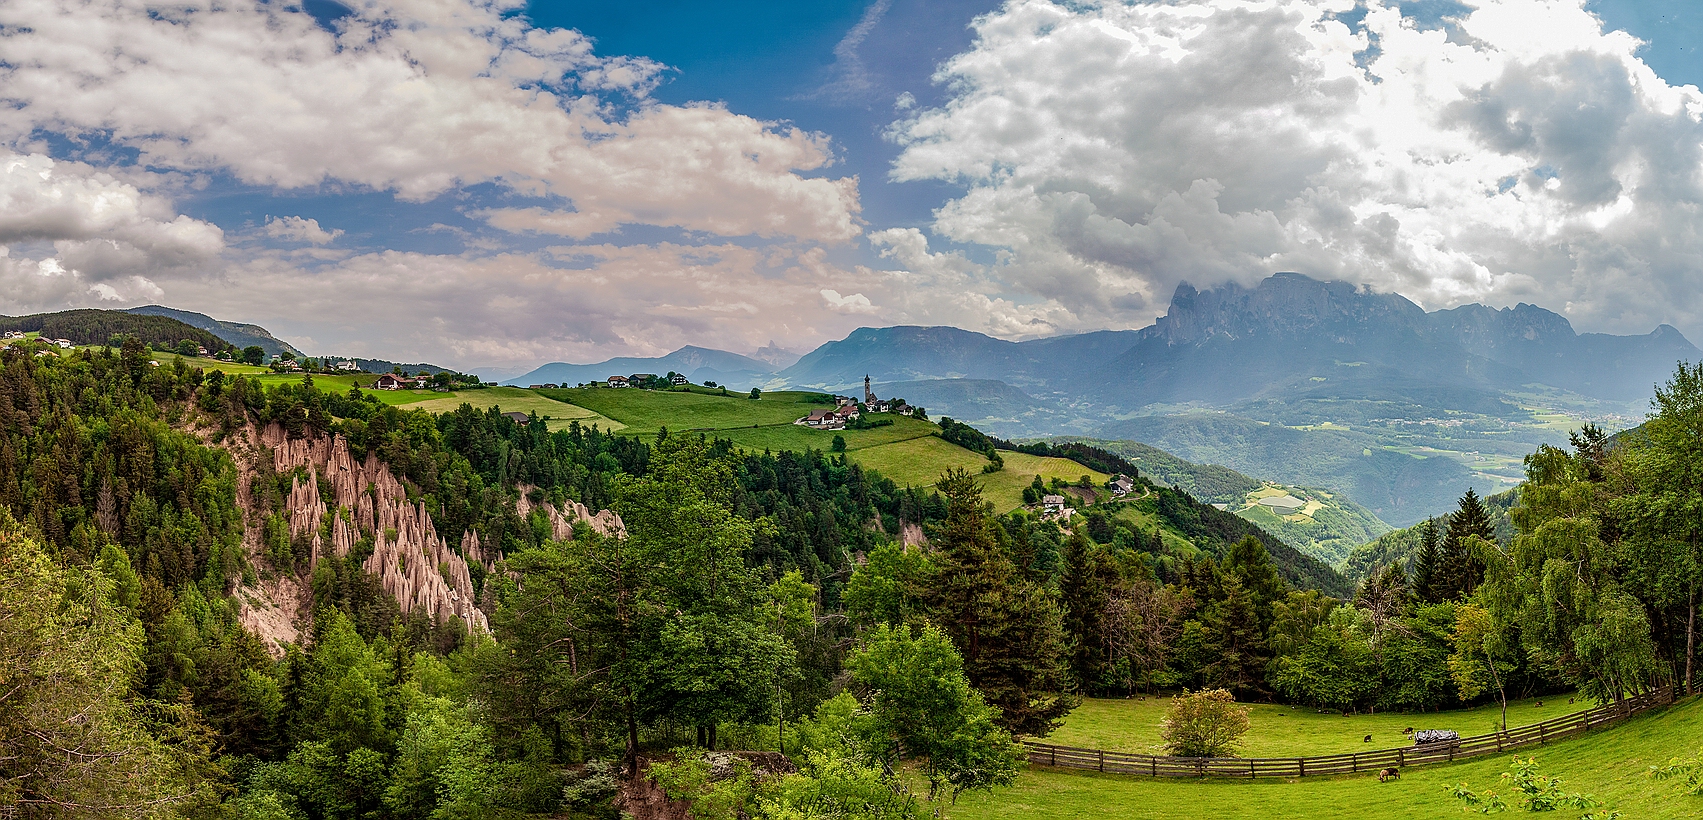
1207,723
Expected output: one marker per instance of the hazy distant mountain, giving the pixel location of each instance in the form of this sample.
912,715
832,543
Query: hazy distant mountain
776,356
1292,336
695,363
1312,383
909,353
237,333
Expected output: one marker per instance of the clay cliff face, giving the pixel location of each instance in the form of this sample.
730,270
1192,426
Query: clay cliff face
413,563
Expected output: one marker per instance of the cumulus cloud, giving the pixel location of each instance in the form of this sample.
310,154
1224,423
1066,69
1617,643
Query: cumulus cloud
72,236
416,98
579,303
299,229
1111,150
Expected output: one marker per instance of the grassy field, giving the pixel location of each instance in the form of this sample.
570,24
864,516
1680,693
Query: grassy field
904,451
1609,764
507,399
920,461
1281,731
646,411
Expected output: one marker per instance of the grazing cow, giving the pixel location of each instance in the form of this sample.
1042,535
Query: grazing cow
1407,731
1540,703
1569,700
1389,774
1368,739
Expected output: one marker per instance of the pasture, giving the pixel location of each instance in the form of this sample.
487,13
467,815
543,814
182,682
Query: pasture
506,399
1609,764
918,462
646,411
1276,730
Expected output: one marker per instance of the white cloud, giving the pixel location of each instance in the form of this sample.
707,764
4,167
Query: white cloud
300,229
1111,150
72,236
855,303
418,98
574,303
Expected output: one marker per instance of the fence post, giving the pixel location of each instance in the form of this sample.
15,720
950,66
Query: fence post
1102,760
1302,763
1155,762
1250,768
1055,755
1401,757
1354,762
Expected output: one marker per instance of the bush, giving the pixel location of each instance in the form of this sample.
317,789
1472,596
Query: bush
1207,723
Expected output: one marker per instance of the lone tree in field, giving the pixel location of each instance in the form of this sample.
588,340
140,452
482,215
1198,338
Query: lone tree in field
1207,723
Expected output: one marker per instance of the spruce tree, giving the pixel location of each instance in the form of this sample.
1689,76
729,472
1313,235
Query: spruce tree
1427,565
1085,588
1251,564
1237,640
1009,630
1462,570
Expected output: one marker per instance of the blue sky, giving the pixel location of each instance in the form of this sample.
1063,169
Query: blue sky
577,180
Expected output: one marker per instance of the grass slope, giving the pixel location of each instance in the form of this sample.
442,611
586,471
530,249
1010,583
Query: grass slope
919,462
508,400
1276,730
1610,764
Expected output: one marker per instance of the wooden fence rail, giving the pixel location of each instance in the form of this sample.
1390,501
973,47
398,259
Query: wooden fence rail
1071,757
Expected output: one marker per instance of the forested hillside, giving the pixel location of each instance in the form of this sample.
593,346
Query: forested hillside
718,598
97,327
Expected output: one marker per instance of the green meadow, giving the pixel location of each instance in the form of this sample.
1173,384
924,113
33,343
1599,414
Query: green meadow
1610,764
1276,730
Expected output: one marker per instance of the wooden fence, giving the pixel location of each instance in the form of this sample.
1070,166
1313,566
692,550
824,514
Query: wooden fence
1047,754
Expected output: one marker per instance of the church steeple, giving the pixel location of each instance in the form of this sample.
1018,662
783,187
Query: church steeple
868,395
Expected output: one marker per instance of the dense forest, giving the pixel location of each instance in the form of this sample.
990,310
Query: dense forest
94,327
752,601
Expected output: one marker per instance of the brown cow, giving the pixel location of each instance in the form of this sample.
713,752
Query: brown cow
1389,774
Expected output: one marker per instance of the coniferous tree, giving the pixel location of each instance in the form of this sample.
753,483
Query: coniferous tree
1253,567
1427,565
1237,640
1008,629
1086,587
1463,571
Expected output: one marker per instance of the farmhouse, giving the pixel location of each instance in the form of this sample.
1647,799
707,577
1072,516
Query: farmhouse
677,380
391,381
1121,485
64,344
1053,507
640,378
348,365
822,419
618,381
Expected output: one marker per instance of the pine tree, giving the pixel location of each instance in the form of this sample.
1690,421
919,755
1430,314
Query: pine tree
1086,587
1009,630
1427,565
1462,571
1237,640
1251,564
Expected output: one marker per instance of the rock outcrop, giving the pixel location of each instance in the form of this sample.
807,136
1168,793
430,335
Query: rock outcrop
412,562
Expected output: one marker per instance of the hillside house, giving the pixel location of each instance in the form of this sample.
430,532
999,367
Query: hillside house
64,344
618,381
846,413
821,420
678,380
348,365
391,381
13,334
1053,508
1121,485
200,351
640,378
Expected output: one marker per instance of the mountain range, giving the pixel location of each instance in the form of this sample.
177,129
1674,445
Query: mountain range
1294,380
237,333
699,364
